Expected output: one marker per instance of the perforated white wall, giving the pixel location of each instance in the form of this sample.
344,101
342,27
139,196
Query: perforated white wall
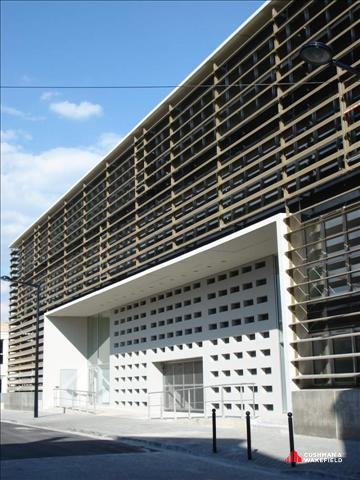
229,320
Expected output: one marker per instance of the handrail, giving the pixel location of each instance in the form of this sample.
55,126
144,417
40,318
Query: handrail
82,400
181,396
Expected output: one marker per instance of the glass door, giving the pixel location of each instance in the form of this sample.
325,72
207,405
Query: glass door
183,386
98,353
99,382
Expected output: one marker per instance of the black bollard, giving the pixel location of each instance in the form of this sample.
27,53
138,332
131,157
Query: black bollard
291,439
214,429
248,435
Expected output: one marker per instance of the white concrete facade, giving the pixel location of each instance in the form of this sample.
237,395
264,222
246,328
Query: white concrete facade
228,320
65,350
224,304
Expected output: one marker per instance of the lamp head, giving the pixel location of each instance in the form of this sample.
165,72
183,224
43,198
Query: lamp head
6,278
316,53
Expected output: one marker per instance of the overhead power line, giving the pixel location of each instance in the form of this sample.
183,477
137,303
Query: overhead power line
138,87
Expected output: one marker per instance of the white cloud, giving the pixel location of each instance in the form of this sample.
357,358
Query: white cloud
4,287
4,308
107,141
74,111
32,182
13,223
45,96
14,112
4,313
25,78
8,135
11,135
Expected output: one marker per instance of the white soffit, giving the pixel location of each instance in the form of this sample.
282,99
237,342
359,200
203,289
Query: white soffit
253,242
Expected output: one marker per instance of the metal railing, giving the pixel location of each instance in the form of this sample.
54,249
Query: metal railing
176,402
81,400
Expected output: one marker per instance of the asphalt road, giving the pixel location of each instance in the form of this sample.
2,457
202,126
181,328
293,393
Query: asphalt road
19,441
38,454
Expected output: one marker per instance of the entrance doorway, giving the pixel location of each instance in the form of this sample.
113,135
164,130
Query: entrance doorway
183,386
98,346
99,383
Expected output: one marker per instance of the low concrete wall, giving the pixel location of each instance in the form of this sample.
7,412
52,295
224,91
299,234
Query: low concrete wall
347,407
331,413
20,400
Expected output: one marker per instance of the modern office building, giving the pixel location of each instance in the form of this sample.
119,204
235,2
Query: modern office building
212,258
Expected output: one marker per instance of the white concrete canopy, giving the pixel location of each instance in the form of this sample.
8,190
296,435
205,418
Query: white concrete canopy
253,242
65,328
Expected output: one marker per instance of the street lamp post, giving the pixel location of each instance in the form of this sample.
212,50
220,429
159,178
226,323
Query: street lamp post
318,53
36,379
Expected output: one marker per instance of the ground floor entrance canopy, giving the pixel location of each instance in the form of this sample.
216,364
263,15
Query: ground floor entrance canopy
69,343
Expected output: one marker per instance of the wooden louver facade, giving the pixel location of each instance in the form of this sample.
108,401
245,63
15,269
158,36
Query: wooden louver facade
252,132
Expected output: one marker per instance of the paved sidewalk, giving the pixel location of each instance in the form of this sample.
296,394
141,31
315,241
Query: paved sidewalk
270,443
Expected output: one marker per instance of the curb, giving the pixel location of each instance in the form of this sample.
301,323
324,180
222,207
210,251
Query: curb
153,444
149,444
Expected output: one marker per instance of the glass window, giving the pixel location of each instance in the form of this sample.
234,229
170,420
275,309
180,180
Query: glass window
333,226
317,289
188,374
355,281
335,244
354,239
353,219
178,374
354,260
315,252
342,345
321,347
313,233
343,365
183,386
338,285
321,366
336,266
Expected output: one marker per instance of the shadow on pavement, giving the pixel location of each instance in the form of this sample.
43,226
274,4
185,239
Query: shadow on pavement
55,445
46,443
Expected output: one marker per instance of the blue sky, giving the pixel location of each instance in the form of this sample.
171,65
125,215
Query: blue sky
52,136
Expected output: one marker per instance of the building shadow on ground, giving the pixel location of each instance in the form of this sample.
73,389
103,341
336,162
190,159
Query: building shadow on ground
232,450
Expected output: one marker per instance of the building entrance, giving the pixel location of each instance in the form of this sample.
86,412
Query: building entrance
98,354
183,386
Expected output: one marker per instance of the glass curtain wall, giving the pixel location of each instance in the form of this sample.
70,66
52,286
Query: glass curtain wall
98,357
183,386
